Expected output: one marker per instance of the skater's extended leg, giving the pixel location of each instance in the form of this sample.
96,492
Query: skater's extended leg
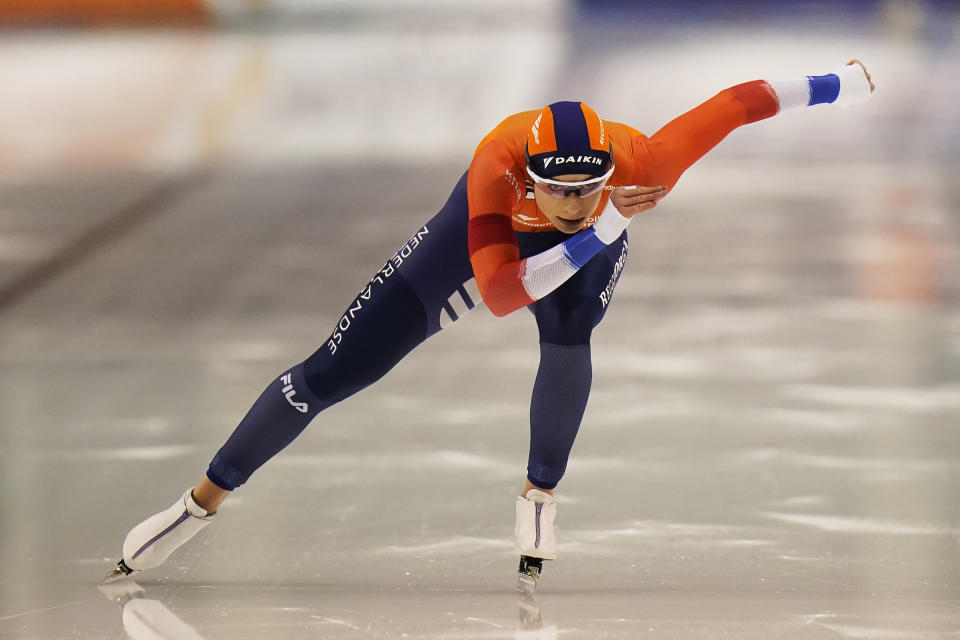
383,330
278,416
412,296
426,285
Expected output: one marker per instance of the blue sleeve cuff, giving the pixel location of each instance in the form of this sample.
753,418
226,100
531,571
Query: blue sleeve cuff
582,246
823,89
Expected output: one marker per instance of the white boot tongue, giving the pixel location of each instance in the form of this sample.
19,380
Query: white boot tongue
192,507
541,497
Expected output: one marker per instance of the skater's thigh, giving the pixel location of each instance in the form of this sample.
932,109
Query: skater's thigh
384,323
569,314
426,284
435,262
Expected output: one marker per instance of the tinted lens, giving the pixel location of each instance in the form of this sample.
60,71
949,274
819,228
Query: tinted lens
558,191
590,189
552,190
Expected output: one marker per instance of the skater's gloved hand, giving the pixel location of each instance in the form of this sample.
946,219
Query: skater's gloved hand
634,200
873,87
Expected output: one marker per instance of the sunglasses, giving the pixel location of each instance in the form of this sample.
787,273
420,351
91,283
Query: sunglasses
558,189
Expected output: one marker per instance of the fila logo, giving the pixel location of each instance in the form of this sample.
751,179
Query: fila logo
523,217
288,392
562,160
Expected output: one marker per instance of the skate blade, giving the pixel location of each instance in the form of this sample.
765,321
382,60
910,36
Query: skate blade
529,574
118,573
526,584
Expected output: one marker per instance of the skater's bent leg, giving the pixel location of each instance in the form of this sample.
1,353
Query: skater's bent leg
565,320
559,399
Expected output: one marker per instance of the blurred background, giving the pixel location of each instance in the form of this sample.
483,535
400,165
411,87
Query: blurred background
191,192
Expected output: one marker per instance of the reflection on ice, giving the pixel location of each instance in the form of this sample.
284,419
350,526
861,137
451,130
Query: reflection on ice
145,618
532,626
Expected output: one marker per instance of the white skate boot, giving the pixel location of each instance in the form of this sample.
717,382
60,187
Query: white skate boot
536,540
152,541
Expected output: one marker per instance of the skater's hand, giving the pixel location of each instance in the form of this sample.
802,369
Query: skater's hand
873,87
631,201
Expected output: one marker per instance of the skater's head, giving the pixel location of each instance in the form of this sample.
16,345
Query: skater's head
569,162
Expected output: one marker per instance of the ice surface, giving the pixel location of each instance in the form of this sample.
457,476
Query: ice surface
770,449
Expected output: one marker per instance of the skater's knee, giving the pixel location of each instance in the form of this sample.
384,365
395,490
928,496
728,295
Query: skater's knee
568,325
566,337
332,380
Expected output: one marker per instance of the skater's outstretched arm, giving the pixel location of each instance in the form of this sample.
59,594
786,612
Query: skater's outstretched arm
674,148
496,182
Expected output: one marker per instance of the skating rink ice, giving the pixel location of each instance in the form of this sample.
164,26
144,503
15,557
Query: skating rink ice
771,448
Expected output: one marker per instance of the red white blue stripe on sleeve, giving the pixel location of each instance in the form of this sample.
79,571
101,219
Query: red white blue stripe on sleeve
848,85
544,272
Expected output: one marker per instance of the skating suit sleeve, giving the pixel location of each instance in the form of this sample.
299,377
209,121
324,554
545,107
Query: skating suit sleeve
494,187
662,158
